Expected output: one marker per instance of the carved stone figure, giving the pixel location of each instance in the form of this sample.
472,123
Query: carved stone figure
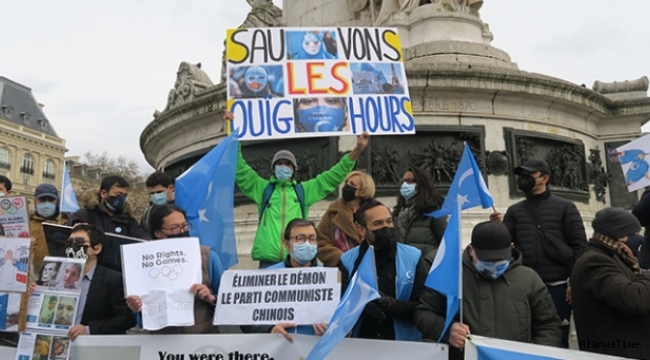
190,82
525,149
385,169
597,175
263,14
308,168
381,10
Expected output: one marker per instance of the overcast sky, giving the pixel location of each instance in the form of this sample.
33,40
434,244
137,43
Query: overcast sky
102,67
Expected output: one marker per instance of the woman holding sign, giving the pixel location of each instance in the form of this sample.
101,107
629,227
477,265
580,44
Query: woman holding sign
168,221
300,240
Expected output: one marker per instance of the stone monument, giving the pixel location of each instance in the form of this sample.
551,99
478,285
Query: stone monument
462,89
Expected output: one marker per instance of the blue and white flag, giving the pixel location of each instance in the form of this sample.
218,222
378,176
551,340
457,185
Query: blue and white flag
361,290
445,275
69,201
468,183
206,193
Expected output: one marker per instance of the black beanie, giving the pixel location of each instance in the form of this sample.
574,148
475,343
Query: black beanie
615,223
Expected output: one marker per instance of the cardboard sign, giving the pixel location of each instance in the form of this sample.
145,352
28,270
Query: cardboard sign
13,216
635,160
290,83
300,295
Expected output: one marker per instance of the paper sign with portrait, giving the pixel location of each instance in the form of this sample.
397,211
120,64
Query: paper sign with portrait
316,82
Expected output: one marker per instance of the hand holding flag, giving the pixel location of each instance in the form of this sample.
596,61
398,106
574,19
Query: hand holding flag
361,291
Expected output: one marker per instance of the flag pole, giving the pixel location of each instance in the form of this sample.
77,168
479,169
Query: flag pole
460,254
62,189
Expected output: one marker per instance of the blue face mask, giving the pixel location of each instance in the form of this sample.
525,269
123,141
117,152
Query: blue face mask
283,173
491,269
46,209
304,253
159,198
407,190
321,118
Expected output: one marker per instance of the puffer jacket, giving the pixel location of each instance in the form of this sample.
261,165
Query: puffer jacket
560,218
283,205
122,223
516,306
425,233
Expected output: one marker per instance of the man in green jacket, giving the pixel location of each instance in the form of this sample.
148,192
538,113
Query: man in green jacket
284,203
502,298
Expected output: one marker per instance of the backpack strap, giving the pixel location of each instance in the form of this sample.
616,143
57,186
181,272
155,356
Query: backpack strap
300,193
268,192
266,197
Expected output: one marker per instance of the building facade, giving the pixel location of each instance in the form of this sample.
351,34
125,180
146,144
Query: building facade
31,152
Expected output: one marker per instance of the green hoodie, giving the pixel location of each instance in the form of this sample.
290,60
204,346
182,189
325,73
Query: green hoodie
283,205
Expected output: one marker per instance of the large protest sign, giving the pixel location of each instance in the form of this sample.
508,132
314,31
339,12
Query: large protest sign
300,295
288,82
161,273
244,346
13,216
14,263
635,160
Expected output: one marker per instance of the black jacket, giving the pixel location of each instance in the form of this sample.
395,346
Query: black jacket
611,305
105,312
642,212
560,218
377,323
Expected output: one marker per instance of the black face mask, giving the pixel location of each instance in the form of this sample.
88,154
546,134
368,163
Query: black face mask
349,192
179,235
77,251
526,183
115,203
385,239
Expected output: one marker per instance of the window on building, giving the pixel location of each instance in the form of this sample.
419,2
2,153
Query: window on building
25,116
5,162
48,170
43,124
6,110
25,180
28,165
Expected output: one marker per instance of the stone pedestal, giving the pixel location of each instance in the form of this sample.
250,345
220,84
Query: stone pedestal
459,85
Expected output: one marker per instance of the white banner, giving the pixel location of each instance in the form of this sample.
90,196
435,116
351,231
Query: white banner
303,296
161,273
483,348
14,262
243,346
33,346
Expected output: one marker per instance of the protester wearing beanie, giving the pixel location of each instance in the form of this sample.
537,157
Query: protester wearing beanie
611,295
282,198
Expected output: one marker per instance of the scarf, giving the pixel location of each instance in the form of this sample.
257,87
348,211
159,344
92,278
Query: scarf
619,249
404,218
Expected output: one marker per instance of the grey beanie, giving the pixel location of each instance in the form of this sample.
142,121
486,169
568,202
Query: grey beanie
284,155
615,223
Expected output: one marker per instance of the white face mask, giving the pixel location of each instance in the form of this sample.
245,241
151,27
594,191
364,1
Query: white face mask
2,194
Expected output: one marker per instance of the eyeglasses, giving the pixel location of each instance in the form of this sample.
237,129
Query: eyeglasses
77,241
179,229
301,239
